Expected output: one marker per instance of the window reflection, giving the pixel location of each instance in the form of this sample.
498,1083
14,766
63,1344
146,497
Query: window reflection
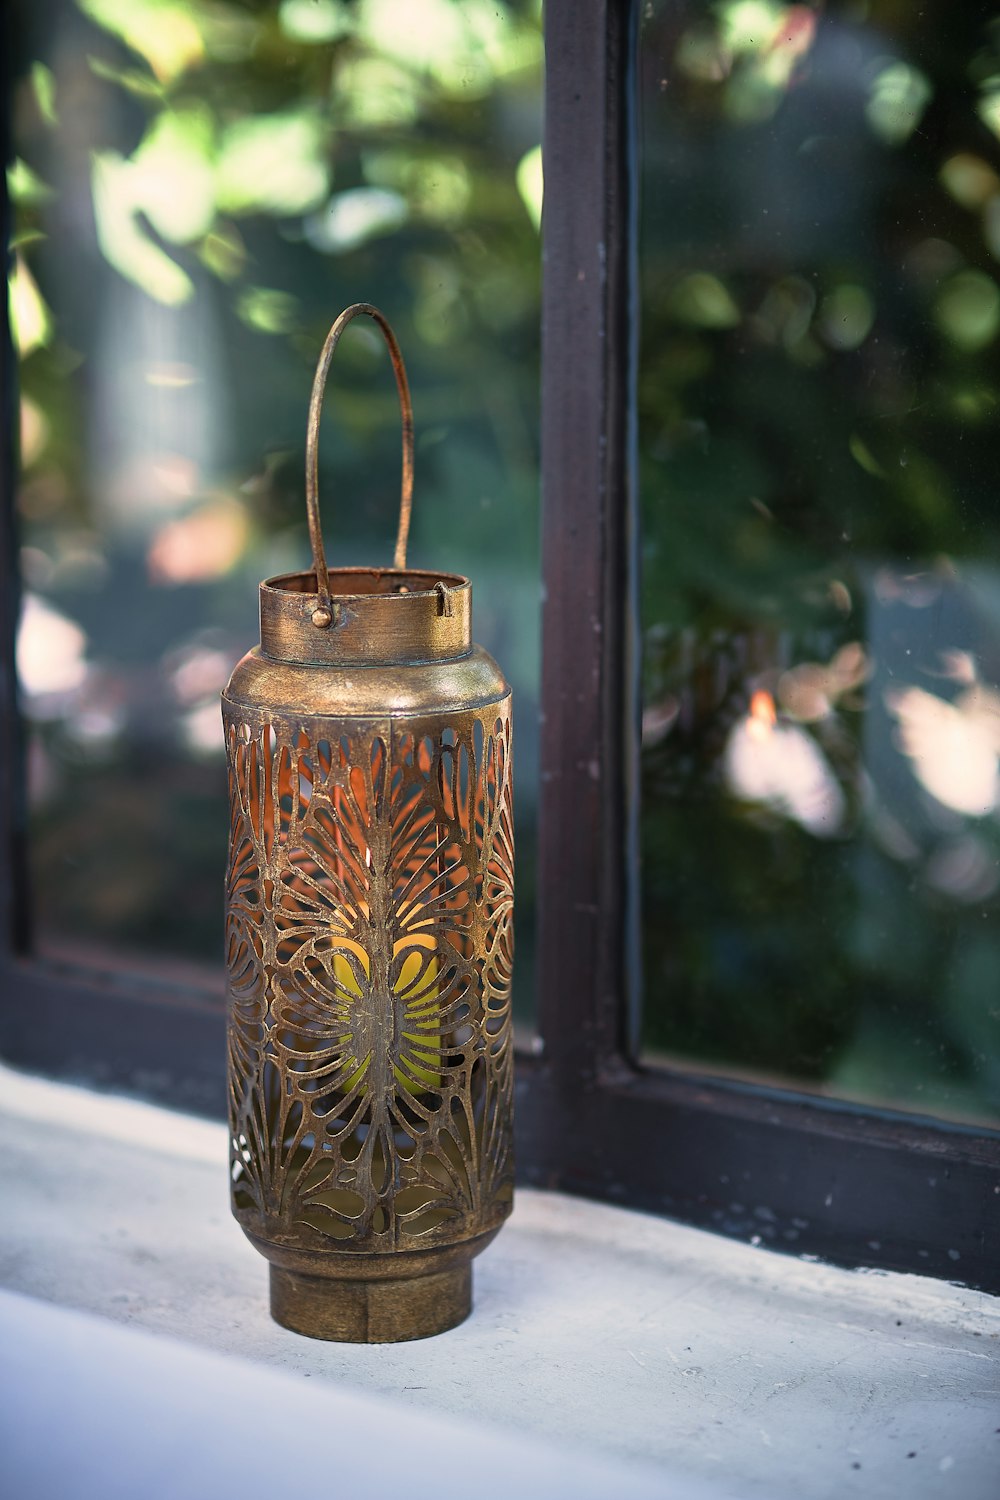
200,186
818,387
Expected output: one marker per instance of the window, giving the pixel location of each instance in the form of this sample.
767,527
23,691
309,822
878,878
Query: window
198,189
805,1173
818,355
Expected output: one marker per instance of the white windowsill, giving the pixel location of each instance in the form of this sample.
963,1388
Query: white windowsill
623,1353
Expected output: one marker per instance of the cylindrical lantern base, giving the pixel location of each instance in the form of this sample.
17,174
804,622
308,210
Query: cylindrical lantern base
383,1311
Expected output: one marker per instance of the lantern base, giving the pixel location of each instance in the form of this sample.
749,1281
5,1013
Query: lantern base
383,1311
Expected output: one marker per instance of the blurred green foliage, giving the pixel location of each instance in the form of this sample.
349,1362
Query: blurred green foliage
201,186
819,385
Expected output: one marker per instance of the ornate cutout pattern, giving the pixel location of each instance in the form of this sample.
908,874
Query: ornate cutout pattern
369,946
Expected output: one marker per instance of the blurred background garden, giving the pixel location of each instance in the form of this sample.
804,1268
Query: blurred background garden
819,389
201,185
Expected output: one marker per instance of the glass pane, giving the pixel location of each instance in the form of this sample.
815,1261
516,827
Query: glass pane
200,187
819,388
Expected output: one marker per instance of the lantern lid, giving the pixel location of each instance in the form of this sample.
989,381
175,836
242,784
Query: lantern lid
377,617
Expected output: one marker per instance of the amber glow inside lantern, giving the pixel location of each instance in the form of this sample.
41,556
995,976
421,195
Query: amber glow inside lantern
369,936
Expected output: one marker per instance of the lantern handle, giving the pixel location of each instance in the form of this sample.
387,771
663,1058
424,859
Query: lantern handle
323,614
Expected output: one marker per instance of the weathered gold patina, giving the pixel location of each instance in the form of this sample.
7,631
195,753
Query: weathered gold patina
369,936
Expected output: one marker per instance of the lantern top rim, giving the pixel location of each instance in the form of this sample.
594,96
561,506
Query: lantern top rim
374,616
348,585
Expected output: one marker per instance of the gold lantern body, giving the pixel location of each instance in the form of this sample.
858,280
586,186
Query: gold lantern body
369,939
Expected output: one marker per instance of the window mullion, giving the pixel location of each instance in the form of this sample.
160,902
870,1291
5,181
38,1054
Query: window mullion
587,807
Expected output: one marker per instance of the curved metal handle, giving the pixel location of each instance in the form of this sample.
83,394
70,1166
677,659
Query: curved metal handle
323,614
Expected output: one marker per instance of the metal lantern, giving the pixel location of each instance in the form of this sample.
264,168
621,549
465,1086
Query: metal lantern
369,935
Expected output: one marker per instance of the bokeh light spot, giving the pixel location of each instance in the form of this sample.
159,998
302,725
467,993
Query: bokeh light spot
846,317
899,96
702,301
530,184
967,310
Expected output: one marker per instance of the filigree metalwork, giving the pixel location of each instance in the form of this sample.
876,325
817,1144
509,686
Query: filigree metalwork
369,936
369,946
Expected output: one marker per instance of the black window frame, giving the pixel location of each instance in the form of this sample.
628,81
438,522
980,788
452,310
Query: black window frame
845,1183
